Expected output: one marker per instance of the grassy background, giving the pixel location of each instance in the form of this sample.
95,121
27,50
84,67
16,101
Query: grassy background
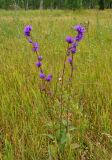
24,122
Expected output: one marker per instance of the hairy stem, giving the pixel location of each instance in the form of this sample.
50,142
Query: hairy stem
61,98
69,90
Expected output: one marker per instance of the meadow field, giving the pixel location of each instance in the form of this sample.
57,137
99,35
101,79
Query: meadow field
27,132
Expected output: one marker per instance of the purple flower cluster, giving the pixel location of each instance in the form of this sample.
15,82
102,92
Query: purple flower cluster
80,29
49,78
40,58
27,33
27,30
69,39
70,60
73,42
35,45
73,47
39,64
42,75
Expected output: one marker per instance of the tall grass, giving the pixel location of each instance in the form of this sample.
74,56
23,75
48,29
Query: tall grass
25,126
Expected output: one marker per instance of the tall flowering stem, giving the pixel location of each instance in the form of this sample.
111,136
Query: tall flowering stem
35,48
71,51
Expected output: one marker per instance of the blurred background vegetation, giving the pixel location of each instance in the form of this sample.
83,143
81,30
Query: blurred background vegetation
55,4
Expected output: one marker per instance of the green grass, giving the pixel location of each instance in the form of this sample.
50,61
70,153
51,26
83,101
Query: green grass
25,126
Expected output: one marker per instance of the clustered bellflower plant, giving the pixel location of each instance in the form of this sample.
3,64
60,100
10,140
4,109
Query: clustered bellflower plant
73,43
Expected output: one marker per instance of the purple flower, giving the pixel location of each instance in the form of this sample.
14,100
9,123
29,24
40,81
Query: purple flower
35,46
74,44
70,59
69,39
40,58
42,75
49,78
79,28
27,30
79,37
73,50
38,64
